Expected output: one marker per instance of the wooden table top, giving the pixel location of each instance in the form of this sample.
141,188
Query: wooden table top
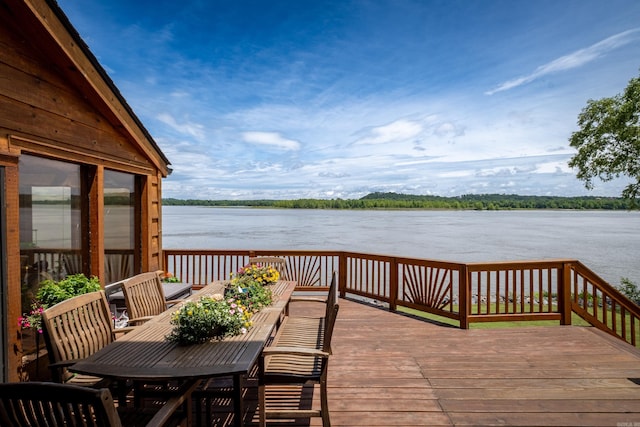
145,354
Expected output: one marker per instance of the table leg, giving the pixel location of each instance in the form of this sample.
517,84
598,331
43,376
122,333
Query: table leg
237,400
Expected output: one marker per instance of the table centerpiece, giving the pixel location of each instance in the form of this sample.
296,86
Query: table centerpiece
210,317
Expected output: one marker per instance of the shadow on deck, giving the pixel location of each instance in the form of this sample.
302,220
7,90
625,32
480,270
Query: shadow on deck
394,370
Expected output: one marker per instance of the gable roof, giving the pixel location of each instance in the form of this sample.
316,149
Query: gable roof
49,27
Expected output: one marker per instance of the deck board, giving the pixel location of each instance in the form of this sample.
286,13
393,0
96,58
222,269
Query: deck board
389,369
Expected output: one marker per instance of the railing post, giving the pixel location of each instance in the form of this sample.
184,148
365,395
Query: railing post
393,284
464,305
342,274
564,294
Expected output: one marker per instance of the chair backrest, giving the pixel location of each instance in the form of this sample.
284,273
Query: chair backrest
271,261
45,404
331,313
144,295
76,328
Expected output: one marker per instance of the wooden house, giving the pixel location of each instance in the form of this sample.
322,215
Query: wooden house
80,176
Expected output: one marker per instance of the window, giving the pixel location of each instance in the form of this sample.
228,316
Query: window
119,225
50,222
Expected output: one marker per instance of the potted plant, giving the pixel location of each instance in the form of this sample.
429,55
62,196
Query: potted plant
252,295
168,277
211,317
256,273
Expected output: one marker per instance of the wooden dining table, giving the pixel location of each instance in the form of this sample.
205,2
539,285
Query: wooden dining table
145,354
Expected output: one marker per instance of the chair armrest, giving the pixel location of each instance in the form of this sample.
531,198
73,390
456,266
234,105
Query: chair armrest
64,363
300,351
124,330
139,320
174,301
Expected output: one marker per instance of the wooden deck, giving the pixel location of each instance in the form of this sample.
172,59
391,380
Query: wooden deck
394,370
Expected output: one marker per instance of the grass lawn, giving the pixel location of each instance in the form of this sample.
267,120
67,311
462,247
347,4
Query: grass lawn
575,320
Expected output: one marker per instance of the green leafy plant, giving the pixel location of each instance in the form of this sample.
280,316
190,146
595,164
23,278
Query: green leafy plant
630,290
252,295
209,318
52,292
170,278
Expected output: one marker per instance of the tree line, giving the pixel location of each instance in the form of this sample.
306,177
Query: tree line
407,201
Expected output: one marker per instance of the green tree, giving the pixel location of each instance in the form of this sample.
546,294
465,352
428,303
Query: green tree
608,140
630,290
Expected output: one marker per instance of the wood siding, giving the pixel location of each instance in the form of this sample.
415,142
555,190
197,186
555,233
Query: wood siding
12,238
44,114
150,189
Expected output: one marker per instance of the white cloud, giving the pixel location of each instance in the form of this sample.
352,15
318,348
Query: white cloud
448,129
273,139
193,129
573,60
400,130
457,174
553,167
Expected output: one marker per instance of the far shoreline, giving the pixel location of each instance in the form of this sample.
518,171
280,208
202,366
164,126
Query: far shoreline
393,201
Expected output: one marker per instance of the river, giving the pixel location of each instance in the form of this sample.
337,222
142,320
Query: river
608,242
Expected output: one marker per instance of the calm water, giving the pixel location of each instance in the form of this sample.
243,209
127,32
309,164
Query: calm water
606,242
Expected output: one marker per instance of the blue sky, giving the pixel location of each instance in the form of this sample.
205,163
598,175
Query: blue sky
336,99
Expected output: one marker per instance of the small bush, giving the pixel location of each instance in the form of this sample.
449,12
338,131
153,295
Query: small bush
52,292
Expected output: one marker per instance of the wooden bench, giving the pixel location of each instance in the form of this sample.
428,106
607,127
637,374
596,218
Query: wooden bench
297,356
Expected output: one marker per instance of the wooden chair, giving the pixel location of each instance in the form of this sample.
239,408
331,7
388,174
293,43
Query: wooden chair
270,261
74,329
45,404
144,297
297,358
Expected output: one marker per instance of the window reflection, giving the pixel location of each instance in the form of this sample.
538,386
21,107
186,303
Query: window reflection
119,223
50,224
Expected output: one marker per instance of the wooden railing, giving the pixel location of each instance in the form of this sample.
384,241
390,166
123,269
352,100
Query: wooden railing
602,305
466,292
59,263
